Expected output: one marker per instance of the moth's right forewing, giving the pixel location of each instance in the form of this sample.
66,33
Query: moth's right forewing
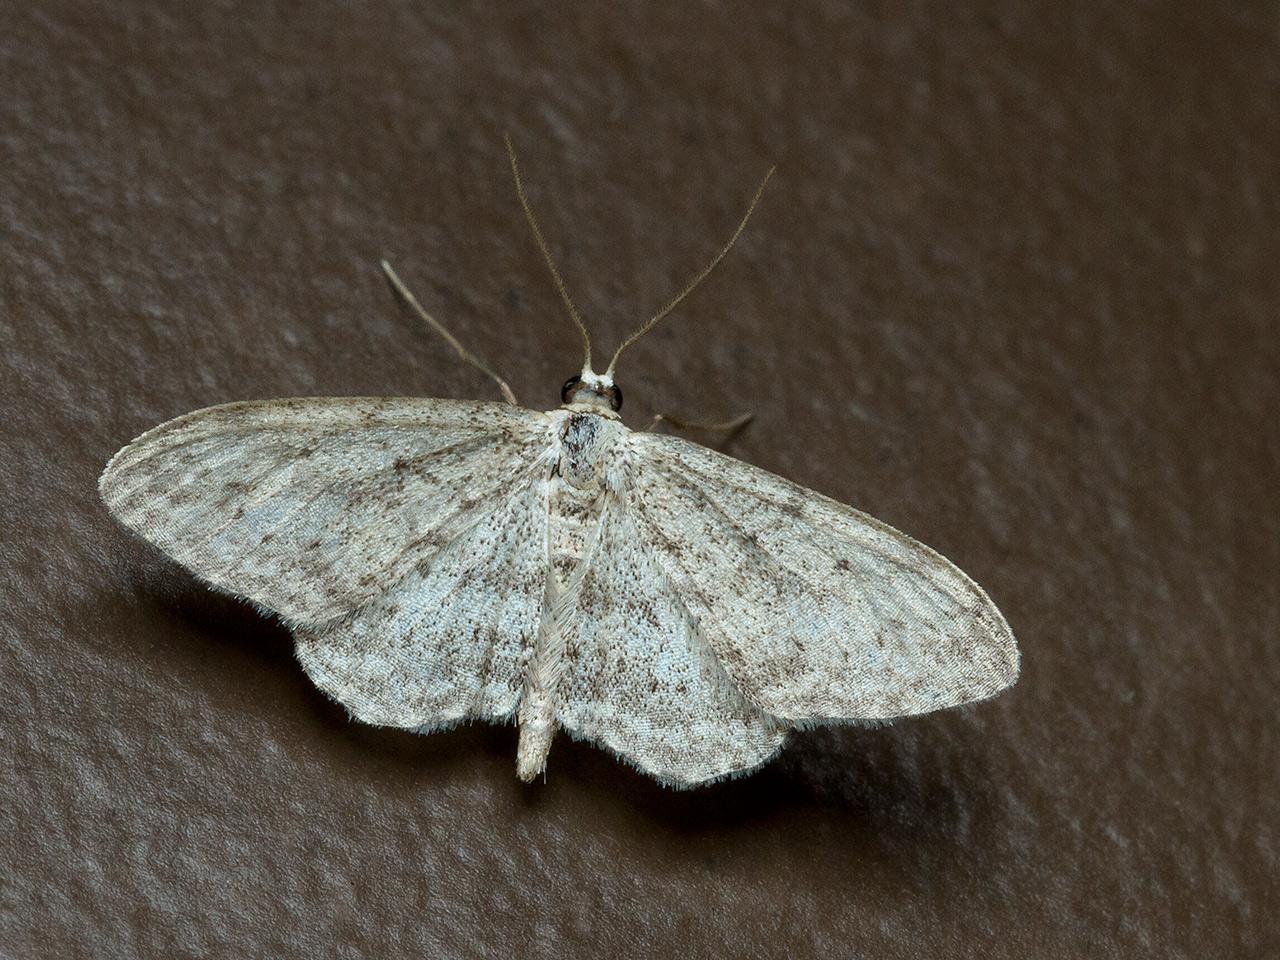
311,507
816,610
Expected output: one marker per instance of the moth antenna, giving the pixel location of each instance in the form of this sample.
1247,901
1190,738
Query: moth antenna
693,284
546,256
467,356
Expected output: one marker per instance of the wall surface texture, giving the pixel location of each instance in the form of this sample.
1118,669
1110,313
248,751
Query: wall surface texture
1013,290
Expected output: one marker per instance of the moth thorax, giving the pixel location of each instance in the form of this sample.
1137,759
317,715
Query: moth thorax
585,442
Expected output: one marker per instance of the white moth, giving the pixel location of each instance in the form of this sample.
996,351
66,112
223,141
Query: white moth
442,561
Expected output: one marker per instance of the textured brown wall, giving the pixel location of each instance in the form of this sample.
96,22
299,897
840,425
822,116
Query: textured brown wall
1013,290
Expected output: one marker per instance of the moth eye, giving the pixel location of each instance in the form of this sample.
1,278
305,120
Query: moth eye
614,393
570,385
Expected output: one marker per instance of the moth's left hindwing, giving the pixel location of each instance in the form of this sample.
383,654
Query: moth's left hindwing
449,640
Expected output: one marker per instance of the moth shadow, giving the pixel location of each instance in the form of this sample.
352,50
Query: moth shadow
231,626
227,621
908,783
913,781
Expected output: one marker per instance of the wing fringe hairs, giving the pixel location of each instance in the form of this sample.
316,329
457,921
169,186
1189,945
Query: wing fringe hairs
444,561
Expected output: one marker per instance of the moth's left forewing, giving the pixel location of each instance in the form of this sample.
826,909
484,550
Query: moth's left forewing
310,507
816,610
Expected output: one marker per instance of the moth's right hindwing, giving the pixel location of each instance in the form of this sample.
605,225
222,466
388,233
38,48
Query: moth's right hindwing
311,507
639,677
817,611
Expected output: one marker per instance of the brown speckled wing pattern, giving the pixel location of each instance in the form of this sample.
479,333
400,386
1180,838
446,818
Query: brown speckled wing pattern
641,679
816,609
445,560
312,507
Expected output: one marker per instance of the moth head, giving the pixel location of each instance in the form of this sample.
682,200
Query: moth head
592,390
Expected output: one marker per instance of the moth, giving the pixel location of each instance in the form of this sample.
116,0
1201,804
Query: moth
441,561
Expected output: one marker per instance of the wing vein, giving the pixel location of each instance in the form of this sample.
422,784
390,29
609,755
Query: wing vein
752,543
872,523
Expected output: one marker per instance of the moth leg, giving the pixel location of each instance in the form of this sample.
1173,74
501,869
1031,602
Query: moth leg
729,428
